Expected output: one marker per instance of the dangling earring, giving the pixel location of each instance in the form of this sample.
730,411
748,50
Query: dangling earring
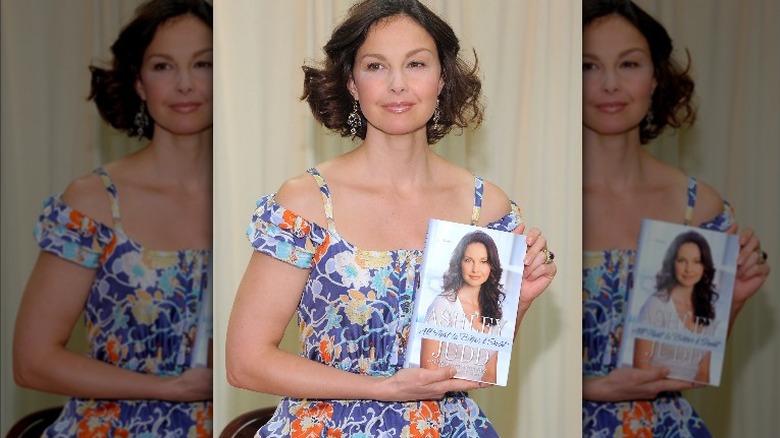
354,121
649,119
141,120
436,116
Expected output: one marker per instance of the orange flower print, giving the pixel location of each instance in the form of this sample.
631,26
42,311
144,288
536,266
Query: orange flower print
291,221
423,421
97,419
320,251
203,421
78,221
637,420
108,250
310,421
326,347
114,349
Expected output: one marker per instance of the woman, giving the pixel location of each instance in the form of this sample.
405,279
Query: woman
632,90
684,299
341,244
138,278
471,298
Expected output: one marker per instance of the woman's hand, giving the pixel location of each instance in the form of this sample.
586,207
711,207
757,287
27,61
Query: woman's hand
410,384
537,274
195,384
627,384
752,269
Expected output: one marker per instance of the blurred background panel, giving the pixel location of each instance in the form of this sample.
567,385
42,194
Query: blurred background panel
50,135
735,147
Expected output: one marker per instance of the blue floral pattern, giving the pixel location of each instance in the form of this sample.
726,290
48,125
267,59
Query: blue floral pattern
355,315
607,277
140,315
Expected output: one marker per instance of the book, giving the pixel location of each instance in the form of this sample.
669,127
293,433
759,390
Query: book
678,307
203,344
465,307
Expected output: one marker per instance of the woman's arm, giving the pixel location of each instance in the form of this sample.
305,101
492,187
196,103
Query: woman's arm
267,298
53,301
628,384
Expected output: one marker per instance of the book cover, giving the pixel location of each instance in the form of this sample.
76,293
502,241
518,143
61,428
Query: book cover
678,307
203,345
465,307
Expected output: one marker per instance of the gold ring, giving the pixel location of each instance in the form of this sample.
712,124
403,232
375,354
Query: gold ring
762,256
548,256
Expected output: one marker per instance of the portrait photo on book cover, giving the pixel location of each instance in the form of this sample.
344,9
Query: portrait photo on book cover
466,304
679,305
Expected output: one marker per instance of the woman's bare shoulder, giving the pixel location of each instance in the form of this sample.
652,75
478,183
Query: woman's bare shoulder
88,195
495,203
301,195
709,203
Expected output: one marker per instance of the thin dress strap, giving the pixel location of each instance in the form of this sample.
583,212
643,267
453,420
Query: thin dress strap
112,194
692,185
325,192
478,189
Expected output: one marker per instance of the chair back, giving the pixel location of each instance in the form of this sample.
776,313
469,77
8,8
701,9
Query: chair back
33,424
247,424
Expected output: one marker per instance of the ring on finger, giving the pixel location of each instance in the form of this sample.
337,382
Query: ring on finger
549,256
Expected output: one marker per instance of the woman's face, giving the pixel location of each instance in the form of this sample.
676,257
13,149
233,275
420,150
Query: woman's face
396,77
688,268
176,77
475,265
617,76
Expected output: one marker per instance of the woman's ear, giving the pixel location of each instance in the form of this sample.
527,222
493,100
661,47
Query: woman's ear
139,88
353,88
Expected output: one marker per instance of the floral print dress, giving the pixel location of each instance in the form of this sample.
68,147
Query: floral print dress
607,277
355,315
140,315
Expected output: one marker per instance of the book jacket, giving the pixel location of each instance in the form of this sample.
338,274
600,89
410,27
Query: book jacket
678,307
202,348
465,306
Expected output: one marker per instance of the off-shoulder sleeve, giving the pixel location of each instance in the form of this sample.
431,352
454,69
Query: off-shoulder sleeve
510,221
283,235
723,221
71,235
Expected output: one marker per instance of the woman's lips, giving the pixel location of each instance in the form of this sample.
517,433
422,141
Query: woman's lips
185,107
611,107
398,107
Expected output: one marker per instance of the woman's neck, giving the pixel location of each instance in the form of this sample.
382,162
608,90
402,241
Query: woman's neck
615,161
185,162
403,162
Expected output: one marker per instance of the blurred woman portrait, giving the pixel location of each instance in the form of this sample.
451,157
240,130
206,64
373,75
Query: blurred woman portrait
128,246
684,299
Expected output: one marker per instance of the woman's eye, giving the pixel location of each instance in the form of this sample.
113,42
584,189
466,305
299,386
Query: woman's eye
204,64
630,64
374,66
416,64
161,66
588,66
